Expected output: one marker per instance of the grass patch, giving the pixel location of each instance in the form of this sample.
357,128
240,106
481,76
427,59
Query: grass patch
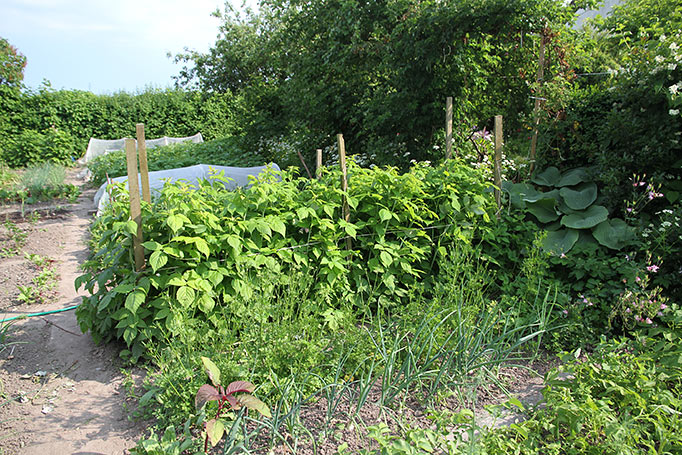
43,182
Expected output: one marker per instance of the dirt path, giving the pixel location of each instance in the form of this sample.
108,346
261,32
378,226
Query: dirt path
59,392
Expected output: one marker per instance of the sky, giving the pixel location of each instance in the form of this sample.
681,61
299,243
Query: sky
106,46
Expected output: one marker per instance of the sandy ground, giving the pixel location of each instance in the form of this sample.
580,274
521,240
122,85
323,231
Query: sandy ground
59,392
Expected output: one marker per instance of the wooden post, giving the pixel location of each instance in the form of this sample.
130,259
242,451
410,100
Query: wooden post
318,171
344,182
300,156
448,128
536,107
135,206
498,160
144,170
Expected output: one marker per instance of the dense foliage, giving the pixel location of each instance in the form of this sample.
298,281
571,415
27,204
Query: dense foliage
12,64
379,72
205,247
49,125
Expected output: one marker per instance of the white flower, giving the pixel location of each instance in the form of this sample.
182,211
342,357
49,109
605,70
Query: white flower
673,89
661,38
674,111
673,46
659,59
678,57
672,66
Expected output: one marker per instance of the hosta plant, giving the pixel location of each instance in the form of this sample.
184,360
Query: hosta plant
227,399
566,205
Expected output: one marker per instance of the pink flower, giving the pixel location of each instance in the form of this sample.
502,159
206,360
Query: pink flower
649,321
637,318
629,209
628,310
638,279
565,312
663,306
652,268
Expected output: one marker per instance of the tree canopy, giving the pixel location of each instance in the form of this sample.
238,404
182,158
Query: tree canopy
12,64
377,71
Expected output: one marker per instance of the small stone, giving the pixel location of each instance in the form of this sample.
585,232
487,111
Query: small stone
47,409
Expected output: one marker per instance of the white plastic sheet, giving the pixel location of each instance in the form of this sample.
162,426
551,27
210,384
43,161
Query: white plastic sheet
235,176
99,147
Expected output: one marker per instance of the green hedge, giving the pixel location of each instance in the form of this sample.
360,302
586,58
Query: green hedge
48,125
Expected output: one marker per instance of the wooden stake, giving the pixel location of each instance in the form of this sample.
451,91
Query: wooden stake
448,128
300,156
318,171
135,206
344,182
498,161
536,107
144,170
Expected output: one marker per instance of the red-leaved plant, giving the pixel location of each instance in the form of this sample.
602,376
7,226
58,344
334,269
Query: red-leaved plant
215,427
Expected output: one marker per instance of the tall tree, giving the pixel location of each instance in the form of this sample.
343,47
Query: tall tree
12,64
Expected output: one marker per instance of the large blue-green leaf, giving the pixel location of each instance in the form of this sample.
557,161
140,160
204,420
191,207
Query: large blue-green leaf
518,191
548,177
586,219
561,241
534,197
544,210
579,197
573,177
614,234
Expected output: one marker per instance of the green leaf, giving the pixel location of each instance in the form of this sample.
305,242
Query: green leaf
537,196
386,258
385,215
518,191
580,197
134,300
211,370
573,177
548,177
544,210
561,241
614,234
130,226
251,402
186,296
206,303
202,246
586,219
157,260
151,245
174,222
215,430
278,226
234,241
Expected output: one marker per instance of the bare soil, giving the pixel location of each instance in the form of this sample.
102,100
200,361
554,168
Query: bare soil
59,392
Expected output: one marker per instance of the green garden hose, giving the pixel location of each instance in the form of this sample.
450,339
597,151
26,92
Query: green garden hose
37,314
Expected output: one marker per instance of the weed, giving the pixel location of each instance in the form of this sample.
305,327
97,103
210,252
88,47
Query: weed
215,427
42,284
15,237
